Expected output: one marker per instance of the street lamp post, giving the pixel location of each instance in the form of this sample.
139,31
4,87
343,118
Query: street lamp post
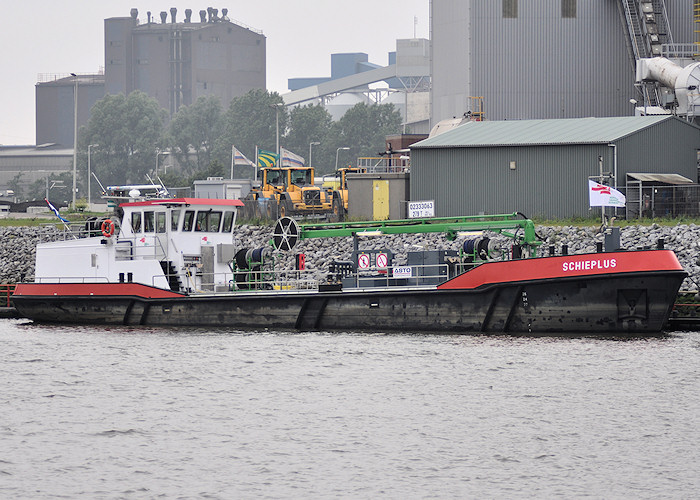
277,123
312,144
158,153
75,133
89,174
336,156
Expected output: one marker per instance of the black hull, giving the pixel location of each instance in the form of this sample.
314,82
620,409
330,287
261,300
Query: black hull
635,303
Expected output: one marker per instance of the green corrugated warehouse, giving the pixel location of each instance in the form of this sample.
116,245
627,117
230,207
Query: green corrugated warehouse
541,167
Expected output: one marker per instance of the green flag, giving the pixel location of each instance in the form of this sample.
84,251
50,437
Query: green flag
266,158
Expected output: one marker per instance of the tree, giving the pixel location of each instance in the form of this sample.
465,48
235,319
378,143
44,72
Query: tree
308,124
128,130
196,128
214,169
59,189
363,128
16,185
250,121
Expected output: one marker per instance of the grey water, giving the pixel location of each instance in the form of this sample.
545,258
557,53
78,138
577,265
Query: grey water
100,412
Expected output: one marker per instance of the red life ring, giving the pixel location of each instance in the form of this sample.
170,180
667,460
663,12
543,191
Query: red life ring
107,228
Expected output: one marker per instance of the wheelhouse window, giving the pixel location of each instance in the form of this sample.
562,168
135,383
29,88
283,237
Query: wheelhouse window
136,222
214,222
201,224
188,220
174,220
160,222
208,221
148,222
228,222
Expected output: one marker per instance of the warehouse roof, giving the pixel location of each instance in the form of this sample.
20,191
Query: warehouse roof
542,132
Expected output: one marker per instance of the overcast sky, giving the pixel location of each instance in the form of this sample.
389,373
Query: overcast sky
67,36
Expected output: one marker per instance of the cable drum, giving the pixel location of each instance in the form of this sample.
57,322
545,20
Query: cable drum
478,246
257,255
240,258
286,234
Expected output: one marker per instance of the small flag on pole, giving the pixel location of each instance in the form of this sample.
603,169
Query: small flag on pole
289,159
266,159
240,159
600,195
55,210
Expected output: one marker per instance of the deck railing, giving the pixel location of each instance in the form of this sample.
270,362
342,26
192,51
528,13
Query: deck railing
6,291
198,282
71,279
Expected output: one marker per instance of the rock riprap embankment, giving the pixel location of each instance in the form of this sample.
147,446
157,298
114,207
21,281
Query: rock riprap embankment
18,250
17,246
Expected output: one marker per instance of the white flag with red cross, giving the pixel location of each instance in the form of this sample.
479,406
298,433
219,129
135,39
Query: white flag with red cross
600,195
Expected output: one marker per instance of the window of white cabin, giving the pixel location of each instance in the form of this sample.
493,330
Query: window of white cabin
136,222
214,222
148,222
174,219
188,221
228,222
160,222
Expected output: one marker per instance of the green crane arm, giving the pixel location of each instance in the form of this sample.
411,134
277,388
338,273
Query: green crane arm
287,231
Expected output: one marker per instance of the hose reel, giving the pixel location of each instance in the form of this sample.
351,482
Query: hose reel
286,234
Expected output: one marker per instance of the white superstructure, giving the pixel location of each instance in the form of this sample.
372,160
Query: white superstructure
183,244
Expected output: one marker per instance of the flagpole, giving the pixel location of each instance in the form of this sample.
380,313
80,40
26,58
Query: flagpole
256,163
600,168
233,158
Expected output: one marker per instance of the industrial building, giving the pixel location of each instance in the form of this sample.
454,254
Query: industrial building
403,82
550,58
28,164
542,167
173,62
177,62
55,105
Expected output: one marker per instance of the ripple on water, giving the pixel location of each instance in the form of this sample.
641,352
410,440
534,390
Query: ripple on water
144,413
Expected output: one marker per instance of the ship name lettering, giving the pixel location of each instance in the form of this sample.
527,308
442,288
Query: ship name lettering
588,265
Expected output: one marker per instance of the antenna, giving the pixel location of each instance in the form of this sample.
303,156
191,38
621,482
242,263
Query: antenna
415,24
98,181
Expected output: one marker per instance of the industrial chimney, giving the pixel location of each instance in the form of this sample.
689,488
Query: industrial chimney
163,17
203,16
173,13
188,15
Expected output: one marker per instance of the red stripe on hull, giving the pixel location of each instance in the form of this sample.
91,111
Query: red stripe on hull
86,289
566,266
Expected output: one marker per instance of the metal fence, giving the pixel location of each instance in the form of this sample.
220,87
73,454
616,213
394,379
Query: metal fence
384,164
662,201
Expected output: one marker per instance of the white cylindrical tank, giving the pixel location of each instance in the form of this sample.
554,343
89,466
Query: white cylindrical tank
338,105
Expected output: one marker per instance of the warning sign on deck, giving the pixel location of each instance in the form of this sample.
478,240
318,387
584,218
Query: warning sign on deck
363,261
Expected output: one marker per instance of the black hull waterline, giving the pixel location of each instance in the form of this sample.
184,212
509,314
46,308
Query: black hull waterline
634,303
